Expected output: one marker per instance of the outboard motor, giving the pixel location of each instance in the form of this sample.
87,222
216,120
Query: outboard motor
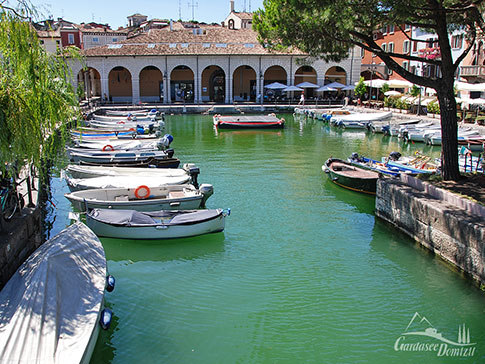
394,156
207,191
151,128
161,125
140,130
354,156
165,141
170,152
386,129
193,172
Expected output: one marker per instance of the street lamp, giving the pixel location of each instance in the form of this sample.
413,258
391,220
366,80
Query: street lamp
373,68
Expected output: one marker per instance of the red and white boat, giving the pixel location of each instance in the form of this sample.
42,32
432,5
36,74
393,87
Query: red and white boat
270,121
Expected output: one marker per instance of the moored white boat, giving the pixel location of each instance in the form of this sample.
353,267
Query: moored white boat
83,171
117,156
361,117
52,305
130,224
76,184
142,198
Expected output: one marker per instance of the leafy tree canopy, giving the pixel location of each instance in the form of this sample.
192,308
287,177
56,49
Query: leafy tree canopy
328,28
36,96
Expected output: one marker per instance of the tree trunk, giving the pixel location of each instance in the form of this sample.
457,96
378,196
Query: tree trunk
449,134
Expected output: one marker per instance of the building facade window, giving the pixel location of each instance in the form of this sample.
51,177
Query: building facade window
407,27
384,46
362,52
115,39
391,29
405,46
415,46
390,47
95,40
384,30
70,38
457,41
405,65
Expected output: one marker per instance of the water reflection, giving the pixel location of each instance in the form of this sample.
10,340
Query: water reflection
163,250
360,202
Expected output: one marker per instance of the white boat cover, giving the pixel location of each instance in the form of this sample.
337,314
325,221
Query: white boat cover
366,116
124,181
49,308
138,218
77,170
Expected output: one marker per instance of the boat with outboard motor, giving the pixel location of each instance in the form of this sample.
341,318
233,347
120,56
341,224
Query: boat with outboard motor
249,122
142,198
351,177
164,224
83,171
52,307
132,182
113,156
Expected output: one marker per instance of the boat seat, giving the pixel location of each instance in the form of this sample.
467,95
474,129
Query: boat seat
122,198
176,194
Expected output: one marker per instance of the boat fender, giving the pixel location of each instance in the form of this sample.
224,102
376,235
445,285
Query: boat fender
139,188
108,147
110,283
105,318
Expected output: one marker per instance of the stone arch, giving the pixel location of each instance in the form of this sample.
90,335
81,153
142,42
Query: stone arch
120,87
182,84
151,84
230,24
273,74
336,74
213,82
306,74
244,83
89,80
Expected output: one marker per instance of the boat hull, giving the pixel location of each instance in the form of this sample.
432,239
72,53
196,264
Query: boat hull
156,232
361,184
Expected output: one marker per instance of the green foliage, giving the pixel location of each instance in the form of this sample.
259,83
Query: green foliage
360,88
36,96
415,91
385,88
433,107
401,104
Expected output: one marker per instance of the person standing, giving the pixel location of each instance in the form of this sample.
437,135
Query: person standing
302,99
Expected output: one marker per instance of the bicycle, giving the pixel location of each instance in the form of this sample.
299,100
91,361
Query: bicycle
9,200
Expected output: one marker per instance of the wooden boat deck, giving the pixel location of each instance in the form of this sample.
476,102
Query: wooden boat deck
352,172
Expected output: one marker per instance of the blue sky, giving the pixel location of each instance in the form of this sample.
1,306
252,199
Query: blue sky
115,12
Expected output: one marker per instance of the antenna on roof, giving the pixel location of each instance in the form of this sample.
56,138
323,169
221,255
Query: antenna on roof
193,6
244,7
180,9
249,1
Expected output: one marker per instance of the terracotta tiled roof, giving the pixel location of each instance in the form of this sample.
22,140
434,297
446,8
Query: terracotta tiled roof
244,16
215,40
90,29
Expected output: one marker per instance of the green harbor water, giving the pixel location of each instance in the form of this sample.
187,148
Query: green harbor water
303,273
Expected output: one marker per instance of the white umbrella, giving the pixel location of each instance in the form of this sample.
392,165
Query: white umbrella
326,88
307,85
292,88
335,85
392,93
275,86
348,88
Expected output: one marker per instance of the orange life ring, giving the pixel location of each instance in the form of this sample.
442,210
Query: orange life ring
142,187
108,147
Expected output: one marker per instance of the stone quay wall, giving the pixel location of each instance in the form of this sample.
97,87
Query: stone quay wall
433,217
19,238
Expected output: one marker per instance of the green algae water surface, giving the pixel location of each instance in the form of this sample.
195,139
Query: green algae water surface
304,272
